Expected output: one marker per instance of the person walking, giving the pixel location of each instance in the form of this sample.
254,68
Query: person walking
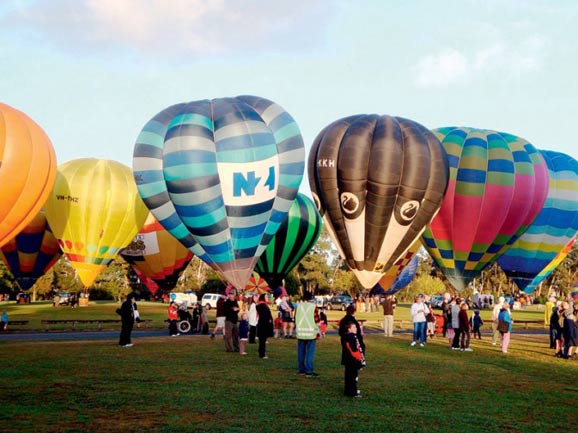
231,319
388,304
126,312
253,318
477,323
307,329
220,316
505,325
495,313
264,324
419,310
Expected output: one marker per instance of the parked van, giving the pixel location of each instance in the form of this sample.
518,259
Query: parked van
209,300
188,298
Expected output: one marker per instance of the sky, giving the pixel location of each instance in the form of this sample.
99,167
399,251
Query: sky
93,72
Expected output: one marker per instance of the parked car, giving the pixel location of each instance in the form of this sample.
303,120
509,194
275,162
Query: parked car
209,300
339,302
64,298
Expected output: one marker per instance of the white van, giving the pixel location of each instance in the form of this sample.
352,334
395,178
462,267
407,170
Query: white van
188,298
209,300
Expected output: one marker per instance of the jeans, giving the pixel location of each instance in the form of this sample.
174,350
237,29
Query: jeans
305,353
419,331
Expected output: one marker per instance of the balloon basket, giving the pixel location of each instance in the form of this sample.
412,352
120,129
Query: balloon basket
83,302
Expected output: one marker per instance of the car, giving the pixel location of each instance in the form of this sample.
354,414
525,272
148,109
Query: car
339,302
209,300
64,298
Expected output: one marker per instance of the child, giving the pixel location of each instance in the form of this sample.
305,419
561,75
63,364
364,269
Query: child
243,332
352,359
322,322
477,323
278,325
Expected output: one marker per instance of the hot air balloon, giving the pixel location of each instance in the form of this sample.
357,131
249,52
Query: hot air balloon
156,254
220,176
552,229
27,171
296,236
377,181
32,252
391,276
574,293
94,211
498,184
550,267
257,284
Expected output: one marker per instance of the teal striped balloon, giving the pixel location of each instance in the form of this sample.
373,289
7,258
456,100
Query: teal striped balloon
220,176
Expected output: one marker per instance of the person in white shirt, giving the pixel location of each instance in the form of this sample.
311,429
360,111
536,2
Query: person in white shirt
419,310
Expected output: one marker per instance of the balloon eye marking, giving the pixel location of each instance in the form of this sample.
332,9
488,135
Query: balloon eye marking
409,210
349,203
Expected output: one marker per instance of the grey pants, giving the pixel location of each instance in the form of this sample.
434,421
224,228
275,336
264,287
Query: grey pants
231,337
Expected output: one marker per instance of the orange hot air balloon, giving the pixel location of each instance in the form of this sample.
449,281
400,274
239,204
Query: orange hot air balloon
27,171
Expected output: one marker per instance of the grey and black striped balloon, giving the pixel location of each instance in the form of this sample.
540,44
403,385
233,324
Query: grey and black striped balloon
297,235
220,175
378,181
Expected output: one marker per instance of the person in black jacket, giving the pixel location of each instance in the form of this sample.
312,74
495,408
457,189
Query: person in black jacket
231,319
344,325
264,324
126,312
351,358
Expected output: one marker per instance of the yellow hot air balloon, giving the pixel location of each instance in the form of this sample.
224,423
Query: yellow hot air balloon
94,211
27,171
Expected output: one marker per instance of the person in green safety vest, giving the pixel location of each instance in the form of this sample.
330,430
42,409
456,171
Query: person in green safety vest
307,330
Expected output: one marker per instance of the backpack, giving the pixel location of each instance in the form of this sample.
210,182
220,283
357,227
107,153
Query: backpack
503,326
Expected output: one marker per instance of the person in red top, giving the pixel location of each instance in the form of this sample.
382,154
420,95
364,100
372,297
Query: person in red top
464,328
173,317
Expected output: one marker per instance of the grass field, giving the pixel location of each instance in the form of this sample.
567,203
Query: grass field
189,384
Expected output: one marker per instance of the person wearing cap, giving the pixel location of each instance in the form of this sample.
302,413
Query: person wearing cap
231,319
307,329
419,311
495,313
220,315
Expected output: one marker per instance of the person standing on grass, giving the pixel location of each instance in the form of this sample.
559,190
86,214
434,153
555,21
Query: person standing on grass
307,329
352,359
553,317
243,333
264,324
569,330
557,322
253,318
477,323
505,317
388,304
173,316
126,312
446,312
220,316
495,313
231,319
456,307
464,328
419,310
286,308
343,324
4,321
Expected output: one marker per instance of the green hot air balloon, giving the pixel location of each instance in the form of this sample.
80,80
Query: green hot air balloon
295,237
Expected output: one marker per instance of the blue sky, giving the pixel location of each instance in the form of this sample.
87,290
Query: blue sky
93,72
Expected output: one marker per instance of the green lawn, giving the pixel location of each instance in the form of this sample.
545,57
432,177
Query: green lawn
190,384
38,311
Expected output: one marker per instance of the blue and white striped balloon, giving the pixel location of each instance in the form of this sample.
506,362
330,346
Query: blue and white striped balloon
220,176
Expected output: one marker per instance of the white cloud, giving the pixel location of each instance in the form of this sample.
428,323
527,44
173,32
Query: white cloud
174,27
440,70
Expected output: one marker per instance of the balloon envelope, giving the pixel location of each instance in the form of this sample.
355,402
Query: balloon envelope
32,252
552,229
498,184
94,211
27,171
294,239
256,284
157,254
393,274
220,176
377,180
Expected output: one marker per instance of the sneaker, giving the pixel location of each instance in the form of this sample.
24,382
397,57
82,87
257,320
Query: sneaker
413,343
468,349
243,353
493,344
212,336
455,348
301,373
357,396
311,375
128,345
174,335
421,345
264,357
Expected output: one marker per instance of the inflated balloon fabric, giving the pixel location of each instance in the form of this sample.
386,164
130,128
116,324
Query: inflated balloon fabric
94,211
377,180
552,229
220,176
498,184
32,252
393,274
27,171
157,255
294,239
